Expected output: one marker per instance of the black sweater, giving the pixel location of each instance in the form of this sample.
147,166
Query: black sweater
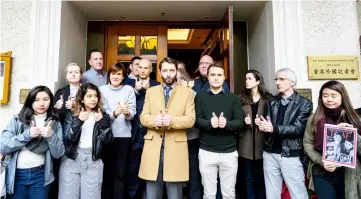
218,140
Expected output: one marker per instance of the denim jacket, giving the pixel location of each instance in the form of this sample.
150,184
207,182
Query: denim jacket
12,141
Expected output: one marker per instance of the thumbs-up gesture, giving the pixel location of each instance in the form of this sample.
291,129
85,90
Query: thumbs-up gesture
166,118
183,82
98,116
118,109
247,120
138,84
159,119
145,84
257,121
69,103
47,131
126,110
266,124
222,121
191,84
214,121
83,115
34,131
59,103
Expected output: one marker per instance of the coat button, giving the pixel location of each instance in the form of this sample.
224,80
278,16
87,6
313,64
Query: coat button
161,136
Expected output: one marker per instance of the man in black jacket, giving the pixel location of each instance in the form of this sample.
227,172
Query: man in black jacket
284,124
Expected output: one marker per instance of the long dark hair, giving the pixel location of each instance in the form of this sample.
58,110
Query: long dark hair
247,96
27,111
80,97
348,114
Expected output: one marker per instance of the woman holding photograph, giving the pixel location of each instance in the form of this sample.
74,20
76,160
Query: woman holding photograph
328,180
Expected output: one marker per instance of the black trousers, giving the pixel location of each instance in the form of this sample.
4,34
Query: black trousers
115,159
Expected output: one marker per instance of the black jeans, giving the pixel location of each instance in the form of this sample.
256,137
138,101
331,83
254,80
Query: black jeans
253,179
331,185
115,159
195,188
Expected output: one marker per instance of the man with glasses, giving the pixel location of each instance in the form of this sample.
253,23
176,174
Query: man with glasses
284,122
201,83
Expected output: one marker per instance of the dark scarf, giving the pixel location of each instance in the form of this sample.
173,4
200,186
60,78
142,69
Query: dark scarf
332,116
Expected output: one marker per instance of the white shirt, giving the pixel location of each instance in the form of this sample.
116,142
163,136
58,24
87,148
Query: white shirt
86,137
28,159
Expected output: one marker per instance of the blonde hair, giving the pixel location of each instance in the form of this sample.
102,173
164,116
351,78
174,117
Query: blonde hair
73,64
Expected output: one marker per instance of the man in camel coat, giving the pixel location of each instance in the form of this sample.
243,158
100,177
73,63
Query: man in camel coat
167,113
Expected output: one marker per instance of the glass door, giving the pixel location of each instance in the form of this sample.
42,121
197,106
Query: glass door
127,41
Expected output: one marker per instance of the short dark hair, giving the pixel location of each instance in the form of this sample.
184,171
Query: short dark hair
115,68
95,50
27,111
180,62
168,60
135,58
216,64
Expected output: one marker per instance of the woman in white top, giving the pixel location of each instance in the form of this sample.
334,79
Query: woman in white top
30,141
87,130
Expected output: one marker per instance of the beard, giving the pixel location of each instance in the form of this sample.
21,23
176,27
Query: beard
169,80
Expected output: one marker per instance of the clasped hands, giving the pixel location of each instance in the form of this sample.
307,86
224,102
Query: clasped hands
218,122
263,124
139,84
163,119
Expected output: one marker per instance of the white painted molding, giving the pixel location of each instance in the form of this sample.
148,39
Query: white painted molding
288,38
44,43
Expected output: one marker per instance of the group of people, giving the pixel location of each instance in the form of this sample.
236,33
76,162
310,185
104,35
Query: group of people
118,135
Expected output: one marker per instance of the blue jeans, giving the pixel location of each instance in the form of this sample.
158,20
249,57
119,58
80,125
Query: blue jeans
331,185
29,184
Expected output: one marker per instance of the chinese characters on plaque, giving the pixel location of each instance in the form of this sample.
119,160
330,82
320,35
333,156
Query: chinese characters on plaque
332,67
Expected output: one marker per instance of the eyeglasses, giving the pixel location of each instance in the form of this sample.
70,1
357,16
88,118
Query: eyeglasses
280,79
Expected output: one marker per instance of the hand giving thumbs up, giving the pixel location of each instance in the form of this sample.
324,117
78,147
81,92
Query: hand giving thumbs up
214,121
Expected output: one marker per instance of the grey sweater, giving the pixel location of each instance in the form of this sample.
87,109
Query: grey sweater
121,126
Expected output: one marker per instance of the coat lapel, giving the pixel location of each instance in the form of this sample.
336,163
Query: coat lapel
161,94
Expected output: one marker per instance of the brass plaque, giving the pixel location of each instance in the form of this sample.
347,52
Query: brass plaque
305,92
332,67
23,95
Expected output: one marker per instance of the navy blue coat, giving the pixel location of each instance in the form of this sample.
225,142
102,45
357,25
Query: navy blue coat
138,131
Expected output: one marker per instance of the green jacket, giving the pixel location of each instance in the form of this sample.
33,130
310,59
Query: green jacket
352,176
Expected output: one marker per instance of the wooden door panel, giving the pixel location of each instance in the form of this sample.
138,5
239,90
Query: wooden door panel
114,31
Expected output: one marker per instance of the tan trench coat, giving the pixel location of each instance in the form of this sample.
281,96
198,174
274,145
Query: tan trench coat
181,109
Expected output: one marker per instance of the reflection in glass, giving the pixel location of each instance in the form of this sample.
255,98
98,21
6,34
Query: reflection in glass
126,45
148,45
